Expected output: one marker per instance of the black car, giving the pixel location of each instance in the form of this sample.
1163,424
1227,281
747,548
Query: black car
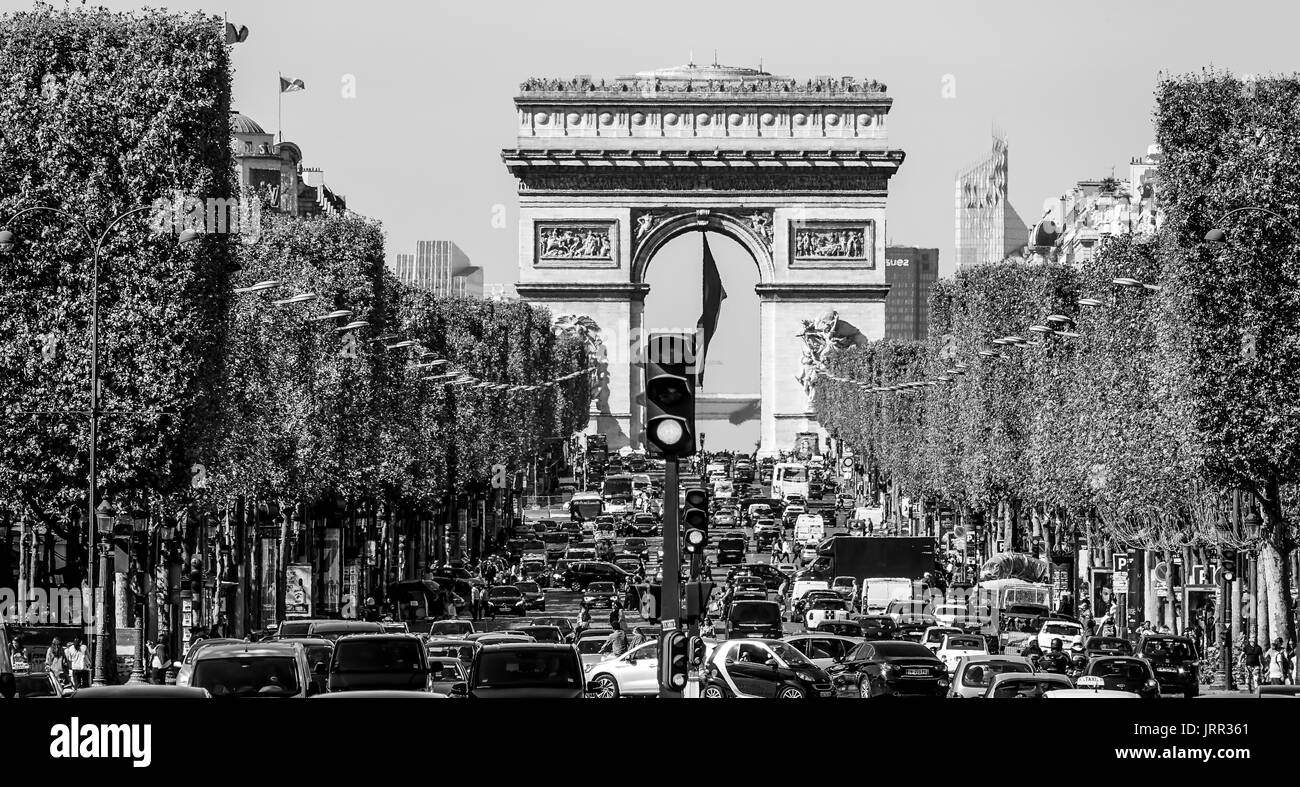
369,662
1107,646
645,525
912,625
506,600
632,564
801,604
637,546
527,670
764,668
1125,673
601,594
564,624
877,627
581,573
890,669
753,619
1174,661
731,551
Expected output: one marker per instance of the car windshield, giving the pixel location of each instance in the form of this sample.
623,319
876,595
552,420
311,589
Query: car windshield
788,654
452,627
1028,688
364,655
1168,649
1064,629
762,612
274,676
526,668
591,645
294,628
965,643
545,634
980,676
935,636
843,582
528,587
1109,645
34,686
601,587
826,603
903,650
447,669
1134,670
461,652
505,591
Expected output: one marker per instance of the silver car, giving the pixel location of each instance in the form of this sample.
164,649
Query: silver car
972,675
254,670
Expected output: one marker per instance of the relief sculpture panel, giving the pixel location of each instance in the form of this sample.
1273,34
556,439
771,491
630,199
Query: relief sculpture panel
576,244
831,243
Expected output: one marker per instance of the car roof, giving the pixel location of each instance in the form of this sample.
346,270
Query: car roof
250,649
143,690
531,646
387,635
381,694
1053,677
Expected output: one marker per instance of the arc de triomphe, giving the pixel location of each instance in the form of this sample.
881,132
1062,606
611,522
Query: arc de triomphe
797,172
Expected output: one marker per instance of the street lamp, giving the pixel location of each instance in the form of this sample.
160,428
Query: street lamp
139,525
105,516
1216,235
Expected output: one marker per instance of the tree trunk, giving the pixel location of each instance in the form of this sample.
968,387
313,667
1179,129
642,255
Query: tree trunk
1261,603
1275,556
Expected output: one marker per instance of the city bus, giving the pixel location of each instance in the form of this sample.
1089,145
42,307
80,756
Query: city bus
1018,610
618,494
585,506
789,479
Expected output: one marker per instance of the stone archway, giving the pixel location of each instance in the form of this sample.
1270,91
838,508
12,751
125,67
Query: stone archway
795,172
752,232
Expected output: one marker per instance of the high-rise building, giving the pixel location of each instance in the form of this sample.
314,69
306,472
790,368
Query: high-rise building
441,267
988,228
910,273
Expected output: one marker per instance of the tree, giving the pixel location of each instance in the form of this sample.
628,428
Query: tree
1235,307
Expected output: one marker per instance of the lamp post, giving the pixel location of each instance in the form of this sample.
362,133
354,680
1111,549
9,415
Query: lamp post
8,241
103,520
139,525
1219,235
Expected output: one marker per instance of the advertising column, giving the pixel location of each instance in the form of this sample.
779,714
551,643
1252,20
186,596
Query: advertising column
332,567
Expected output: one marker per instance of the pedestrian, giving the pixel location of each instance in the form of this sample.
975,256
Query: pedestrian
615,615
617,641
158,662
1275,664
584,620
1251,660
221,629
475,593
56,660
452,613
79,663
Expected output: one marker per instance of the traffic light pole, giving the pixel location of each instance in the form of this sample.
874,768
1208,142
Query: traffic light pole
670,611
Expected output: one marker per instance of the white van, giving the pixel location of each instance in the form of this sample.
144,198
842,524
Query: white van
809,528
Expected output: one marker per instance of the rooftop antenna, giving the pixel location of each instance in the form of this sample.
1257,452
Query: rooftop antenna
715,58
760,65
691,62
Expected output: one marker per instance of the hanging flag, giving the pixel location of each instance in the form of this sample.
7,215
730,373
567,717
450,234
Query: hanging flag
236,35
714,295
288,86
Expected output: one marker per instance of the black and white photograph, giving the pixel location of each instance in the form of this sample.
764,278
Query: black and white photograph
464,350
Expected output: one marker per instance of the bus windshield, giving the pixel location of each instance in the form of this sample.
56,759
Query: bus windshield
616,487
586,508
797,474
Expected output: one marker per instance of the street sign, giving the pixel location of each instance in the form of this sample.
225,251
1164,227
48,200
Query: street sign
1121,581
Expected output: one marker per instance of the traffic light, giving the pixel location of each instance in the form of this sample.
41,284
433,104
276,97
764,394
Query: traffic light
670,394
697,599
695,519
697,652
674,667
1227,564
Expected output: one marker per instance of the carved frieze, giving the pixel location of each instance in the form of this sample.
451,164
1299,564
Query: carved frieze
832,243
549,179
576,244
757,220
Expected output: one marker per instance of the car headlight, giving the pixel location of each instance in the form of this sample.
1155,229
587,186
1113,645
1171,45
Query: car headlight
807,677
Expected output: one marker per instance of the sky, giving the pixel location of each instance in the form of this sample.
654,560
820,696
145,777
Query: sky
418,147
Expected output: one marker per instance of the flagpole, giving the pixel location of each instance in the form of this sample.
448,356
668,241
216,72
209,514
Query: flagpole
279,106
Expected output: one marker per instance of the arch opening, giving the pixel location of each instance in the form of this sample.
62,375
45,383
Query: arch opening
728,410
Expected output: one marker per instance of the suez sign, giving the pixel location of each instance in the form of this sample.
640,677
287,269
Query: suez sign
897,262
